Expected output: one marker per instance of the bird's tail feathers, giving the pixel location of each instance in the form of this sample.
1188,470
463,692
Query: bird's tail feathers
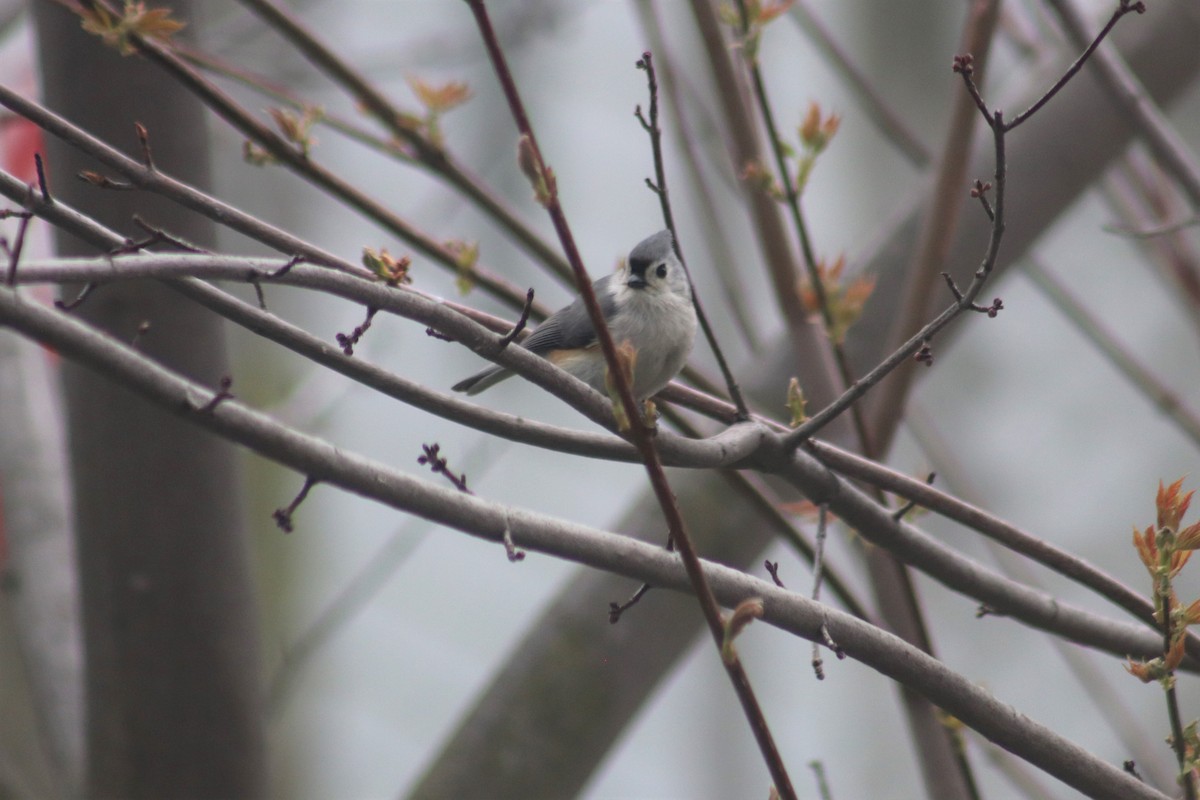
482,380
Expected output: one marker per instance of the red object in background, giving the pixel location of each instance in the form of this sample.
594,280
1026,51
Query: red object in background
19,140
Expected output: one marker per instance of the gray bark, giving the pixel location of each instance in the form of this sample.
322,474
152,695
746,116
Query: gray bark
173,679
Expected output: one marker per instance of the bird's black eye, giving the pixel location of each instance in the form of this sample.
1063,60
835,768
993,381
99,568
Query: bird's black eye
662,270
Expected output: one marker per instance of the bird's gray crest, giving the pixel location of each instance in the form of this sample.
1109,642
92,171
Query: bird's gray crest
650,250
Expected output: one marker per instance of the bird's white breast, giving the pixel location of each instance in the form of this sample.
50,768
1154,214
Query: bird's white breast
661,326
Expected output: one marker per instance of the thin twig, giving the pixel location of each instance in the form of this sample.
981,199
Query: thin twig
1179,744
158,235
1123,7
903,511
746,149
347,341
700,192
979,191
283,516
1153,232
431,456
144,140
818,574
615,610
220,396
995,120
822,784
992,311
819,560
286,268
41,176
511,550
792,198
939,224
659,187
818,577
1153,128
521,321
187,196
14,250
71,305
144,327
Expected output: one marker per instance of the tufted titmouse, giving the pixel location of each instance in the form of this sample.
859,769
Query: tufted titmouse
647,303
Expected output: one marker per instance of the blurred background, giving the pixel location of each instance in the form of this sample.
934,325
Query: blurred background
380,630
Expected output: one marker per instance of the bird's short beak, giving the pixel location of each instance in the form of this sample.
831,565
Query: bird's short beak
636,282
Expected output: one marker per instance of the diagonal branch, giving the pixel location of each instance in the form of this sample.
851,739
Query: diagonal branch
166,186
938,228
427,153
964,300
1134,102
641,434
659,187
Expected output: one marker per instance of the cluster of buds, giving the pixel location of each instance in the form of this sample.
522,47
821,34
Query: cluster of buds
749,18
844,299
136,21
816,132
294,127
391,270
466,256
437,99
1164,548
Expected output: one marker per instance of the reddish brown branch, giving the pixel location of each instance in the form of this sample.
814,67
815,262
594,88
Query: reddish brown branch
639,433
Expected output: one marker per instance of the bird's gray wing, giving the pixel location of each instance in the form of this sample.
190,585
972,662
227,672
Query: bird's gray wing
571,328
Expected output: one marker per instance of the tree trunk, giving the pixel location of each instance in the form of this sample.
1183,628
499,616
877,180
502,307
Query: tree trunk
173,677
